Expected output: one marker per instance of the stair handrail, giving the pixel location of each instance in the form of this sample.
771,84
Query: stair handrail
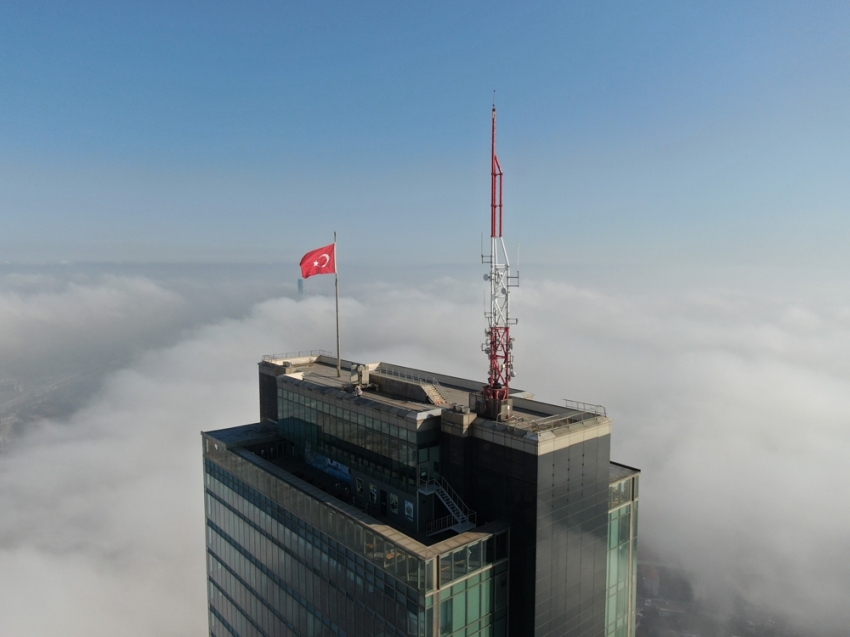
437,526
441,482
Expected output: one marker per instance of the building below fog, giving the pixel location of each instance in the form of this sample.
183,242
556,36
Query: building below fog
387,500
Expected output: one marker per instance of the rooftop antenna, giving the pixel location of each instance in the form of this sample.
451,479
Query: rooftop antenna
499,344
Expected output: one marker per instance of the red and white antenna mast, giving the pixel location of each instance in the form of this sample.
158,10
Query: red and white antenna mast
499,344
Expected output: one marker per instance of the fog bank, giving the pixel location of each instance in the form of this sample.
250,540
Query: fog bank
731,400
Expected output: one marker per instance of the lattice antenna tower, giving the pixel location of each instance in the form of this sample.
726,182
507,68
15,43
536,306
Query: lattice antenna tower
499,344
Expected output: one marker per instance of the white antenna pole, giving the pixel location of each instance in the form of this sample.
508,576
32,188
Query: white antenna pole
499,343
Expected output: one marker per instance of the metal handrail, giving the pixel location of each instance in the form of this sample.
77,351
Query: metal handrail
549,422
454,496
445,486
397,373
270,358
599,410
436,526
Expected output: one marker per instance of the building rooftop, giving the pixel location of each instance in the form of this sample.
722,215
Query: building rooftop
617,472
419,396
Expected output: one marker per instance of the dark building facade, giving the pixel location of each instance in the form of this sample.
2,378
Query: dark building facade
383,502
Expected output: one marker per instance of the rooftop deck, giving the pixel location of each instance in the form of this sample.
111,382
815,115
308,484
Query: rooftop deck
530,418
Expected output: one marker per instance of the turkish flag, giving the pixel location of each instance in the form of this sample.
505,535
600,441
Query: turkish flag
319,261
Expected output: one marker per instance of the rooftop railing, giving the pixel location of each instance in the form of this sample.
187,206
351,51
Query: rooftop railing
313,353
550,422
599,410
388,370
439,525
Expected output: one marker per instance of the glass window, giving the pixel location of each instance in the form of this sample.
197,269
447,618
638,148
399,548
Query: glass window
414,566
501,593
446,617
349,532
459,611
403,563
379,550
612,567
624,524
358,536
611,609
613,534
390,554
473,604
445,570
474,556
460,565
623,559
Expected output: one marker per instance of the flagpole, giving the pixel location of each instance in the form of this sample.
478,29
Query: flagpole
336,285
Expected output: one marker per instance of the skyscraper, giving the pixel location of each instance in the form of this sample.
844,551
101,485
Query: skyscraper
394,501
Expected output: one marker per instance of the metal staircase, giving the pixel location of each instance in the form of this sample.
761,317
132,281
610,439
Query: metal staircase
462,518
430,386
433,394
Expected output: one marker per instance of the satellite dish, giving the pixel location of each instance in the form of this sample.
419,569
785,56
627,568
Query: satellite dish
486,277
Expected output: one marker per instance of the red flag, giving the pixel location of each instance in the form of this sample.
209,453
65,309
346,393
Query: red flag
319,261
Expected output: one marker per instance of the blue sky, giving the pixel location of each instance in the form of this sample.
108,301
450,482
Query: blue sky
663,133
650,150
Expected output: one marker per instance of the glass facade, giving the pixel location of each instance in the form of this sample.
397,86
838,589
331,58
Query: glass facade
312,515
622,558
283,559
377,443
471,607
557,506
474,602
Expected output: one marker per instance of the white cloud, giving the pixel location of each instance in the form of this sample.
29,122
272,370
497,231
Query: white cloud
45,321
733,406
